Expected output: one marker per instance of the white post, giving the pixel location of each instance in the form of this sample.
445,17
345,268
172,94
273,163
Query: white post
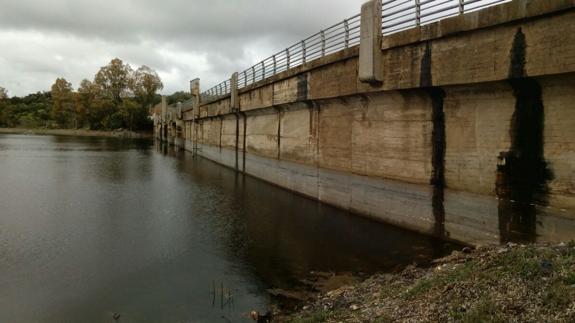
370,54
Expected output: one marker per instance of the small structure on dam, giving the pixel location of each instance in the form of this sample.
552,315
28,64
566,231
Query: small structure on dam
455,120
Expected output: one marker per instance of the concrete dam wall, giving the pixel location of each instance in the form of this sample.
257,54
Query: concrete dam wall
463,128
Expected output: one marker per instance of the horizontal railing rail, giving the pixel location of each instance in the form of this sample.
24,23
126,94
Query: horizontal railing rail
397,15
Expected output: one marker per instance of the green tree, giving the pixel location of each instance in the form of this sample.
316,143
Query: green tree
31,111
179,96
4,108
90,99
145,84
63,103
3,94
114,80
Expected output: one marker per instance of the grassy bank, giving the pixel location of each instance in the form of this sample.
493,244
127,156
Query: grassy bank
513,283
77,132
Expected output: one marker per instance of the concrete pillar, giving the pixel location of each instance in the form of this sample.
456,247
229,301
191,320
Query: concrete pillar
235,107
164,117
235,103
370,54
195,91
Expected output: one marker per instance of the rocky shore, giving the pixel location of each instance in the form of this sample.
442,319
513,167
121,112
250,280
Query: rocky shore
510,283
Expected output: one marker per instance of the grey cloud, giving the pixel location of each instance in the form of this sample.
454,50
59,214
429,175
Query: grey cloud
231,35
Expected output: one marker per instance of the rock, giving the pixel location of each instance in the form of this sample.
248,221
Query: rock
296,295
466,250
546,265
116,316
354,307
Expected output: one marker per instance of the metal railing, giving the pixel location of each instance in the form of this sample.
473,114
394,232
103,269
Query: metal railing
330,40
398,15
333,39
217,91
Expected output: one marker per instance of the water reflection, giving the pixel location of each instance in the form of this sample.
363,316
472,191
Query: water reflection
93,226
284,236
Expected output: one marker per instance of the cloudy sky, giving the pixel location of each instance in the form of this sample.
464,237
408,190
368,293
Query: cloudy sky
180,39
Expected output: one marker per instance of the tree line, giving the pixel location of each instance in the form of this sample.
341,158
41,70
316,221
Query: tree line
117,97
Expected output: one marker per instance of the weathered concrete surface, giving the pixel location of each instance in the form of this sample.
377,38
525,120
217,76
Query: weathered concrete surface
262,133
298,141
477,123
423,149
559,134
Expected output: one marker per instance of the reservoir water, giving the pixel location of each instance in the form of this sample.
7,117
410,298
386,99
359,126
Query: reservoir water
90,227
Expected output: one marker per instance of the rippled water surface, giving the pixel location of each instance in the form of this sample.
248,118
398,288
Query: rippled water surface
95,226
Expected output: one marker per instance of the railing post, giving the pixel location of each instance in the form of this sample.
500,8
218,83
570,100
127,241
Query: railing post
346,26
245,78
287,58
263,70
303,53
417,12
275,64
461,7
253,74
322,43
370,54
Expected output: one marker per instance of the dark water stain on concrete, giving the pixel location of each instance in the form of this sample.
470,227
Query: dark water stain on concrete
517,56
437,96
438,159
425,77
237,148
302,91
279,133
245,120
522,171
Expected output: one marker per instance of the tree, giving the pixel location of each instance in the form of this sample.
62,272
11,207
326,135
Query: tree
3,93
88,96
145,84
4,107
179,96
114,80
63,103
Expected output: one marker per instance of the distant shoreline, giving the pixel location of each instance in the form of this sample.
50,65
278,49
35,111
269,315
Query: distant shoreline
78,132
